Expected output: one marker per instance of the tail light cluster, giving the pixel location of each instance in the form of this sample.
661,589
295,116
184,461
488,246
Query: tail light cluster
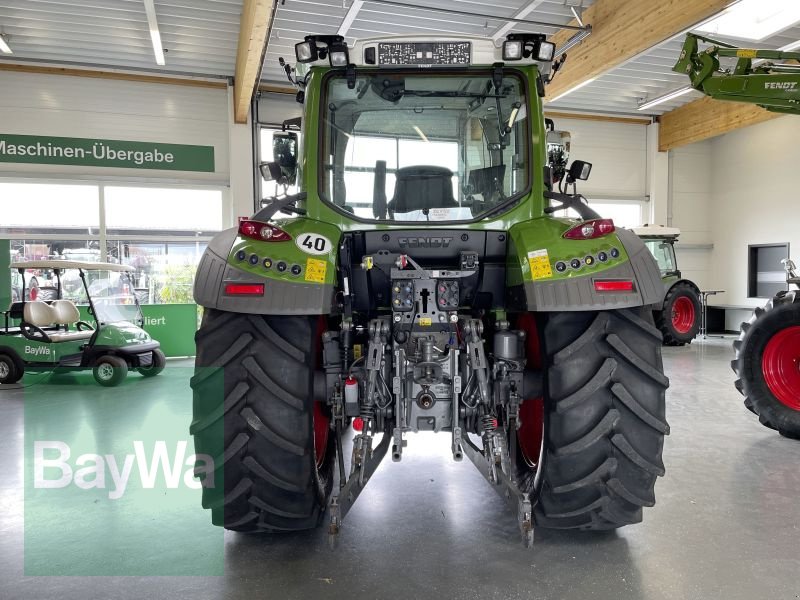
589,230
263,232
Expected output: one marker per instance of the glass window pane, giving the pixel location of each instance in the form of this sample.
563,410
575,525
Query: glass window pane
48,207
165,209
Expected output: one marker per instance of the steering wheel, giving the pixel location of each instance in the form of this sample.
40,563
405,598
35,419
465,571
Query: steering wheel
83,326
32,332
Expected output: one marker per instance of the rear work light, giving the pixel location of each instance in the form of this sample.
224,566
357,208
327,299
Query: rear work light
244,289
263,232
589,230
613,286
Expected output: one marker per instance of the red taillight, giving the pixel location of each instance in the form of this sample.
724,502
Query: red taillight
358,424
589,230
263,232
613,286
244,289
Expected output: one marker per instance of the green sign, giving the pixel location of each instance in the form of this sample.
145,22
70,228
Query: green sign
90,152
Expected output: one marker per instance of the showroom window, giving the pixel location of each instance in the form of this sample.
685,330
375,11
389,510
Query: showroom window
161,231
765,273
625,213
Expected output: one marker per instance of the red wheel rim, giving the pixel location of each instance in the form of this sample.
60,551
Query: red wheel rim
530,435
781,366
683,314
321,432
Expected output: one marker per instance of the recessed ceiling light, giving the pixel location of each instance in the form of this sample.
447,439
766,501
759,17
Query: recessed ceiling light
666,97
4,47
754,20
155,34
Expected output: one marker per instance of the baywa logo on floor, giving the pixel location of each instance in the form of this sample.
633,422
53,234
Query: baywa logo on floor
113,482
96,471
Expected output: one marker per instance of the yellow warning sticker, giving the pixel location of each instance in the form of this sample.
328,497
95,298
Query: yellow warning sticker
315,270
539,261
746,53
425,321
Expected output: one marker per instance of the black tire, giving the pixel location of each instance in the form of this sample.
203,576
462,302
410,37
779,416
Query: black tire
110,370
255,417
664,318
604,398
158,364
10,369
780,314
47,294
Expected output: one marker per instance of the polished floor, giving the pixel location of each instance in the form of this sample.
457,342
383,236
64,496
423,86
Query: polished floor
726,523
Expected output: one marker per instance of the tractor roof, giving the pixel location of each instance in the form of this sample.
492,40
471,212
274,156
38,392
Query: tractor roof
70,264
656,231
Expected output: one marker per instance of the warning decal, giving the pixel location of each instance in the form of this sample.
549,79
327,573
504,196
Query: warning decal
315,270
539,261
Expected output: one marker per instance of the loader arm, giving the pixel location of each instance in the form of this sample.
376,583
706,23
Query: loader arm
756,78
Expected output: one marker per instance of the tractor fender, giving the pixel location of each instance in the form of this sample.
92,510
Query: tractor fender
282,295
690,283
579,294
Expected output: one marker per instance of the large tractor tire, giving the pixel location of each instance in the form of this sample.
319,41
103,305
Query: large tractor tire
679,321
767,364
256,415
605,419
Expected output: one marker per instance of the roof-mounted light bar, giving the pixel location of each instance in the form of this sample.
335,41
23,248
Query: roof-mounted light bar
528,45
320,47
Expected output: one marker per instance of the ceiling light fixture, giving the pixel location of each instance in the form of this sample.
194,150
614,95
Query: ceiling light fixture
155,35
665,97
577,87
754,20
4,47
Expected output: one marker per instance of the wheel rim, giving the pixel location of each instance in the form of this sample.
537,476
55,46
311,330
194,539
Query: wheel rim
683,314
781,366
105,371
530,434
4,370
321,432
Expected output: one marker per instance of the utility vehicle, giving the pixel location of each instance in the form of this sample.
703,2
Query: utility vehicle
38,335
767,353
419,282
678,317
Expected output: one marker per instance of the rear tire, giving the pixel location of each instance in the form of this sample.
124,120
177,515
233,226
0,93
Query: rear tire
679,321
767,361
110,370
255,415
10,370
604,389
158,364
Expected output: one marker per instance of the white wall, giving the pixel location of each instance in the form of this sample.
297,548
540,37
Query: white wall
755,180
690,193
618,153
33,104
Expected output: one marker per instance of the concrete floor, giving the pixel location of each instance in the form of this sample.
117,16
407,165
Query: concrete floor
725,524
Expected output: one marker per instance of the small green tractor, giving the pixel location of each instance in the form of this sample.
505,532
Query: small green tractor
419,281
678,317
767,361
38,336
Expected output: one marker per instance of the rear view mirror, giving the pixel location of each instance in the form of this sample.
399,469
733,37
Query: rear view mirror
580,169
284,152
558,147
270,171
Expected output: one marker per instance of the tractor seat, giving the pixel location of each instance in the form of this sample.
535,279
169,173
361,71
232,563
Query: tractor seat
60,312
422,188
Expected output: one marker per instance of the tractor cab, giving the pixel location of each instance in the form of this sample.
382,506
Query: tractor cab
660,241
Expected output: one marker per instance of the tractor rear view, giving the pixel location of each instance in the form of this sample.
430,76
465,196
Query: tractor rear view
767,362
678,317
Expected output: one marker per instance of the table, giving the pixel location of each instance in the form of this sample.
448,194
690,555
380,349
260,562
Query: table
704,294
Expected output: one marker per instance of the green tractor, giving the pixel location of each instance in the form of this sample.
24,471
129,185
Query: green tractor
41,336
678,317
420,281
767,353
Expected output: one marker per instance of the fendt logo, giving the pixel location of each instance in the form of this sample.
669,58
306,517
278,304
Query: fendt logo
424,242
781,85
37,350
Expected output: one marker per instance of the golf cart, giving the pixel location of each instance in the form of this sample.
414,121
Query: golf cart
39,335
